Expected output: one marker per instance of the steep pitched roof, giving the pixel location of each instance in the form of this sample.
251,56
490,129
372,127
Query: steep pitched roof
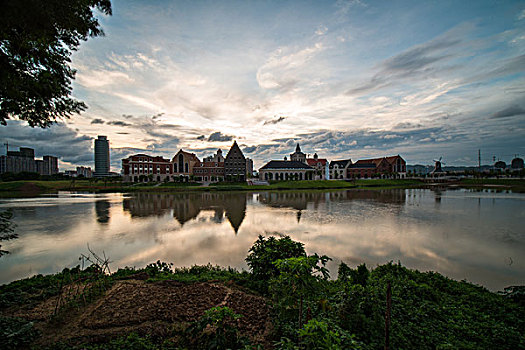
376,161
192,156
285,164
363,166
313,162
234,148
340,163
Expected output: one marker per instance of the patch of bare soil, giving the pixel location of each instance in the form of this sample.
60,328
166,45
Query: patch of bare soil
30,189
149,308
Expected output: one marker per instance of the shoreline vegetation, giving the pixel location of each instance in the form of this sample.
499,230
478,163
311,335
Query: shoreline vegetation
31,188
286,300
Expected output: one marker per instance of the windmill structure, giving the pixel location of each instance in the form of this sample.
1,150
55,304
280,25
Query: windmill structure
438,171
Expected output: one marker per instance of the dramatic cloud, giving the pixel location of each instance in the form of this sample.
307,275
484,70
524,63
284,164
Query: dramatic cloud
509,112
274,121
352,78
58,140
118,123
219,137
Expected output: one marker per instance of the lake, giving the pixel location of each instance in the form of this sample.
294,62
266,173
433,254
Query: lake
464,234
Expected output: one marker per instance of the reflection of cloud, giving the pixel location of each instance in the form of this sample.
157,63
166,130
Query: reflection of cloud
451,241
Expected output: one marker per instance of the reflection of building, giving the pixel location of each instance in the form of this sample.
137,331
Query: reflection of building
24,160
187,206
102,157
235,164
102,211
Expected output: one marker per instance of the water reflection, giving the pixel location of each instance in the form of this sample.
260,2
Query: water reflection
102,210
187,206
461,233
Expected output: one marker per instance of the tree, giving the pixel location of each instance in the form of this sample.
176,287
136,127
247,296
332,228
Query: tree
298,278
6,229
265,252
37,39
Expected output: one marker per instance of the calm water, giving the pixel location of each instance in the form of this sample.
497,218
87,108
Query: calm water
477,236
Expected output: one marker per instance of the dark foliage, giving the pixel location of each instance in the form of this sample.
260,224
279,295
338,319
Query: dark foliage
37,39
7,229
265,252
16,333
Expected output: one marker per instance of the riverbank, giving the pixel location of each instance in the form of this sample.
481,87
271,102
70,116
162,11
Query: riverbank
280,304
30,188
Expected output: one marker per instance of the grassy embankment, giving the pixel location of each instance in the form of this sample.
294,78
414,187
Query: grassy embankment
30,188
159,307
516,185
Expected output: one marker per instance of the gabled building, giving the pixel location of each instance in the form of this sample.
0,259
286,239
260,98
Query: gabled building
385,167
319,165
338,169
211,169
183,163
235,164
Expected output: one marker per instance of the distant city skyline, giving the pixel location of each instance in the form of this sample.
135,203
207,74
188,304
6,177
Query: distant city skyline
346,79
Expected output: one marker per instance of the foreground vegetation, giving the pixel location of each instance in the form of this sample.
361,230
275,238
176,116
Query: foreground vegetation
308,309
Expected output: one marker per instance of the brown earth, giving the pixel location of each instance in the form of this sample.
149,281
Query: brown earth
148,308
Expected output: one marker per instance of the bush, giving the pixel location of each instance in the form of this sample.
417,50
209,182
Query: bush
265,252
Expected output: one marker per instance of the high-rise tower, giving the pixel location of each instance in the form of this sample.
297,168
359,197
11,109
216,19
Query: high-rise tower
101,156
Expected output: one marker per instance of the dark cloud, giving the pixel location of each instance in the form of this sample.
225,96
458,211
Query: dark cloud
123,133
412,63
509,112
157,115
201,137
274,121
119,123
97,121
219,137
58,140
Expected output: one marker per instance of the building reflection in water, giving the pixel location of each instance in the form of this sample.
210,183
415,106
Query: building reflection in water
187,206
102,211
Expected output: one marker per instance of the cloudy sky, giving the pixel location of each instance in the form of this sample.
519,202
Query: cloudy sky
345,79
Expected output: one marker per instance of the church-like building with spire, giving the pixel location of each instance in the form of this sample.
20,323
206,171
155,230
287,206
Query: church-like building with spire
297,168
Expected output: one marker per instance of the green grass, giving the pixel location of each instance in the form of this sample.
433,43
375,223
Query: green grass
517,185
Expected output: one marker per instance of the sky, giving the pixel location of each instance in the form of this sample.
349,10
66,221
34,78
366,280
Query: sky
345,79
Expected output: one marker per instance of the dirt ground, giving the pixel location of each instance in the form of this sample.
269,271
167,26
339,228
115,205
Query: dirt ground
148,308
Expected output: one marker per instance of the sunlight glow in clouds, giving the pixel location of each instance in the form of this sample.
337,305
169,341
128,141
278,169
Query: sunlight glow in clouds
344,79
